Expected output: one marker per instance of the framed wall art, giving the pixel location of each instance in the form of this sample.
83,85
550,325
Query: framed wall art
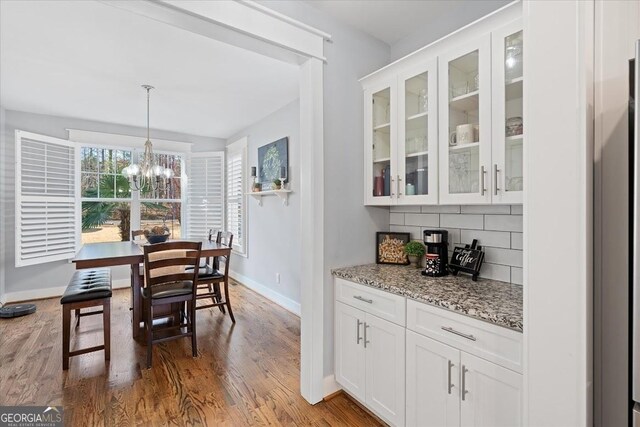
390,248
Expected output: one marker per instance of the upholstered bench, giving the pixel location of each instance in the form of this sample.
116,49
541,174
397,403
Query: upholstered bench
87,288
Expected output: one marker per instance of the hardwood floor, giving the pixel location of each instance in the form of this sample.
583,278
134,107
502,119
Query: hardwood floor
245,374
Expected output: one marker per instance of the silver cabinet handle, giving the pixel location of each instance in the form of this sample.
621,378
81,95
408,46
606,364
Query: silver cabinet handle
358,337
365,335
368,301
449,384
482,173
391,187
464,388
495,179
453,331
399,192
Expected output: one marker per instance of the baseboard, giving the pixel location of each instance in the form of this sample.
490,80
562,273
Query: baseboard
35,294
284,302
330,386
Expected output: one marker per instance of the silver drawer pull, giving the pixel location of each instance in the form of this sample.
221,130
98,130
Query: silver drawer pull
368,301
453,331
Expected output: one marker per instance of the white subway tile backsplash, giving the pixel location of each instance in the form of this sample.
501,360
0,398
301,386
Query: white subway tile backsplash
396,218
454,236
498,228
503,256
461,221
516,241
485,209
410,209
416,232
441,209
496,272
496,239
516,275
503,222
423,220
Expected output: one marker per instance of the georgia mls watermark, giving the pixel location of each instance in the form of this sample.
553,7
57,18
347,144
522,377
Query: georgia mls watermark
31,416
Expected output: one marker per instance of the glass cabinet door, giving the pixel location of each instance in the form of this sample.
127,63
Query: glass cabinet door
508,125
465,123
379,145
417,138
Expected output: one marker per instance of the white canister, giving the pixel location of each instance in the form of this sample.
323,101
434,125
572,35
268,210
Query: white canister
464,134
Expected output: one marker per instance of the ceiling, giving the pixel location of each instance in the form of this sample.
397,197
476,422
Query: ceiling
87,60
393,20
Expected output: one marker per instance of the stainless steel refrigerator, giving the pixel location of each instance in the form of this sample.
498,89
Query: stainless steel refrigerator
634,150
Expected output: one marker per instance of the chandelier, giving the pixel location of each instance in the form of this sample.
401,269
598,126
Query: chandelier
148,175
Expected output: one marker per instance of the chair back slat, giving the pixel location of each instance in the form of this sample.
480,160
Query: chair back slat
168,262
226,238
136,233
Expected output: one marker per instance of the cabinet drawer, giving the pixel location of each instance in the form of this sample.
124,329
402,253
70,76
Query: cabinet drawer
379,303
494,343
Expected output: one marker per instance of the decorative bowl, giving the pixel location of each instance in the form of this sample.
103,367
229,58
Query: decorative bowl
157,238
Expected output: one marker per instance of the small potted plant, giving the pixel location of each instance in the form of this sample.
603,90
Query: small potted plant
415,250
277,184
257,187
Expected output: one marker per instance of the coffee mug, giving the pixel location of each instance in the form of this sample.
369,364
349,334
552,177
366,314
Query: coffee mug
453,140
464,134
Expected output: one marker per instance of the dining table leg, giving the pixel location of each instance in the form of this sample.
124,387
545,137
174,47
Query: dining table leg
135,300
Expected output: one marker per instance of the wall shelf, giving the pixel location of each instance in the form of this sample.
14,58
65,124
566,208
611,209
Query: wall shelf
283,194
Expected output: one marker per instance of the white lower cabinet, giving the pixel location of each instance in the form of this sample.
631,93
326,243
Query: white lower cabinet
447,387
385,372
433,386
425,371
492,395
349,349
370,358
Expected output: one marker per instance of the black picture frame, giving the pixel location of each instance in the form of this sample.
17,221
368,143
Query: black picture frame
392,256
468,260
271,157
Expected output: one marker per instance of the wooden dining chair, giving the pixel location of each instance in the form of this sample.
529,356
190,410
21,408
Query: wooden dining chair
210,278
167,281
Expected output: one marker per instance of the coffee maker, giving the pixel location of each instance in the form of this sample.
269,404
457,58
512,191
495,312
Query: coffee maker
437,243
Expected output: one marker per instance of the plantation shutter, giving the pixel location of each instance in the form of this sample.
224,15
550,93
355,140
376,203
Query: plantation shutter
236,209
47,191
205,202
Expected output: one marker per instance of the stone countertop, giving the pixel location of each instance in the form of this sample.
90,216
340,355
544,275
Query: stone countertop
495,302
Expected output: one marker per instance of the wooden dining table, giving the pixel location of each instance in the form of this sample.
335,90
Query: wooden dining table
111,254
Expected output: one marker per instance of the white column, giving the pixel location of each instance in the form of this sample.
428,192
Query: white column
558,207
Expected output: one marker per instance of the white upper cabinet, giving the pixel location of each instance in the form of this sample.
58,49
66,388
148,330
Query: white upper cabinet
465,123
508,118
401,138
417,148
445,125
380,136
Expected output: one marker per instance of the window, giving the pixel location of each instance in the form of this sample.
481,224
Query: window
163,207
106,197
69,193
236,202
46,192
206,194
110,209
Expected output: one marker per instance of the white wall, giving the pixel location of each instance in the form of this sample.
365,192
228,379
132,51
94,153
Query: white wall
558,209
349,226
458,15
617,29
3,196
273,230
33,281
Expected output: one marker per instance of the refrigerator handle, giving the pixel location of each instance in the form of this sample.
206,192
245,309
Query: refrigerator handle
635,261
